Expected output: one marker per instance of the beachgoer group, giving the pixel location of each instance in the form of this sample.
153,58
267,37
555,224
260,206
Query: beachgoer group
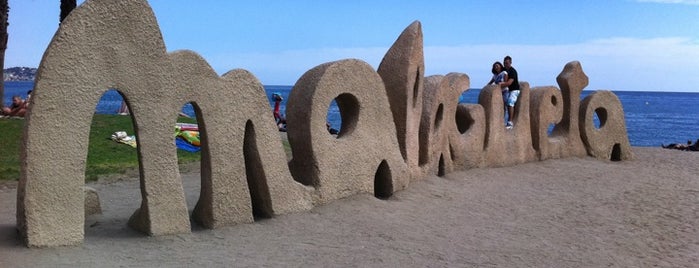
683,147
18,107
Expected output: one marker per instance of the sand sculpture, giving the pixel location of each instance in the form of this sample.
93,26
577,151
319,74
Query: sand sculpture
363,157
403,72
397,127
437,154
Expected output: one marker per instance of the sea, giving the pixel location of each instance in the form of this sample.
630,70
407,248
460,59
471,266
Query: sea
652,118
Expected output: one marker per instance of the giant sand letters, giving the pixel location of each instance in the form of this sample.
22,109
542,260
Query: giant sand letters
403,71
437,153
242,169
364,157
506,147
397,126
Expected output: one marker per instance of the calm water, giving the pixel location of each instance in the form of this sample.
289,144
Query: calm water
652,118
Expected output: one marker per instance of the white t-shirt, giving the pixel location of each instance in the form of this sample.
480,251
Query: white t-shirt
497,78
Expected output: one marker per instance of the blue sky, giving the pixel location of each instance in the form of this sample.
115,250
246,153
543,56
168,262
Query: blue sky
650,45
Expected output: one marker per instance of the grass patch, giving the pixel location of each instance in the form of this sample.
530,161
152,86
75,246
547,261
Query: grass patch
104,157
10,142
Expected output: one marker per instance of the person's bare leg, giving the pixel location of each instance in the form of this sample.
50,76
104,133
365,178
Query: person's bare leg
511,114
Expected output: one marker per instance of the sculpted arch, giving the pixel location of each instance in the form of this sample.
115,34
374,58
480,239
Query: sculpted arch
127,53
438,150
346,165
80,51
238,127
610,140
547,109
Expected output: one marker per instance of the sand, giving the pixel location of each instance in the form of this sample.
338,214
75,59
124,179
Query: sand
574,212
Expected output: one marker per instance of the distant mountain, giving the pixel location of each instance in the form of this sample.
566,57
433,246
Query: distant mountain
19,74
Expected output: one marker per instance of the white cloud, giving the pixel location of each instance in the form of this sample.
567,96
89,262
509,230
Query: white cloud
658,64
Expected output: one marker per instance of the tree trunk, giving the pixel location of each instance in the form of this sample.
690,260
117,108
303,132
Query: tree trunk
4,10
66,7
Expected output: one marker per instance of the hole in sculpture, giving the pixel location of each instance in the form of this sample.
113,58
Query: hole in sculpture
416,85
333,119
554,101
464,120
438,118
190,140
348,107
120,151
111,155
441,170
599,118
256,177
383,186
549,131
616,152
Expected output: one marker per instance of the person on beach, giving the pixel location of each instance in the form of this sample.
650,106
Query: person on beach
123,109
512,84
26,102
677,146
281,121
693,147
18,107
331,130
500,75
682,147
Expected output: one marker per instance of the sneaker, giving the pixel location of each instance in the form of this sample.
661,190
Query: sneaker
509,125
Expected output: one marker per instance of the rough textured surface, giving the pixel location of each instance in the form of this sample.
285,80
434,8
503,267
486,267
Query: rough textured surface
403,70
506,147
572,212
243,161
608,141
438,124
126,53
546,110
392,133
572,81
98,52
469,142
364,157
92,201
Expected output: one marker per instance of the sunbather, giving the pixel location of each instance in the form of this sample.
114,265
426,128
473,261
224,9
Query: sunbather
688,147
18,108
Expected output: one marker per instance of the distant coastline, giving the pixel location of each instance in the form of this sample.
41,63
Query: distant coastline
19,74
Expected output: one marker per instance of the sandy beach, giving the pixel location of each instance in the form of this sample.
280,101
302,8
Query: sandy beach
574,212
